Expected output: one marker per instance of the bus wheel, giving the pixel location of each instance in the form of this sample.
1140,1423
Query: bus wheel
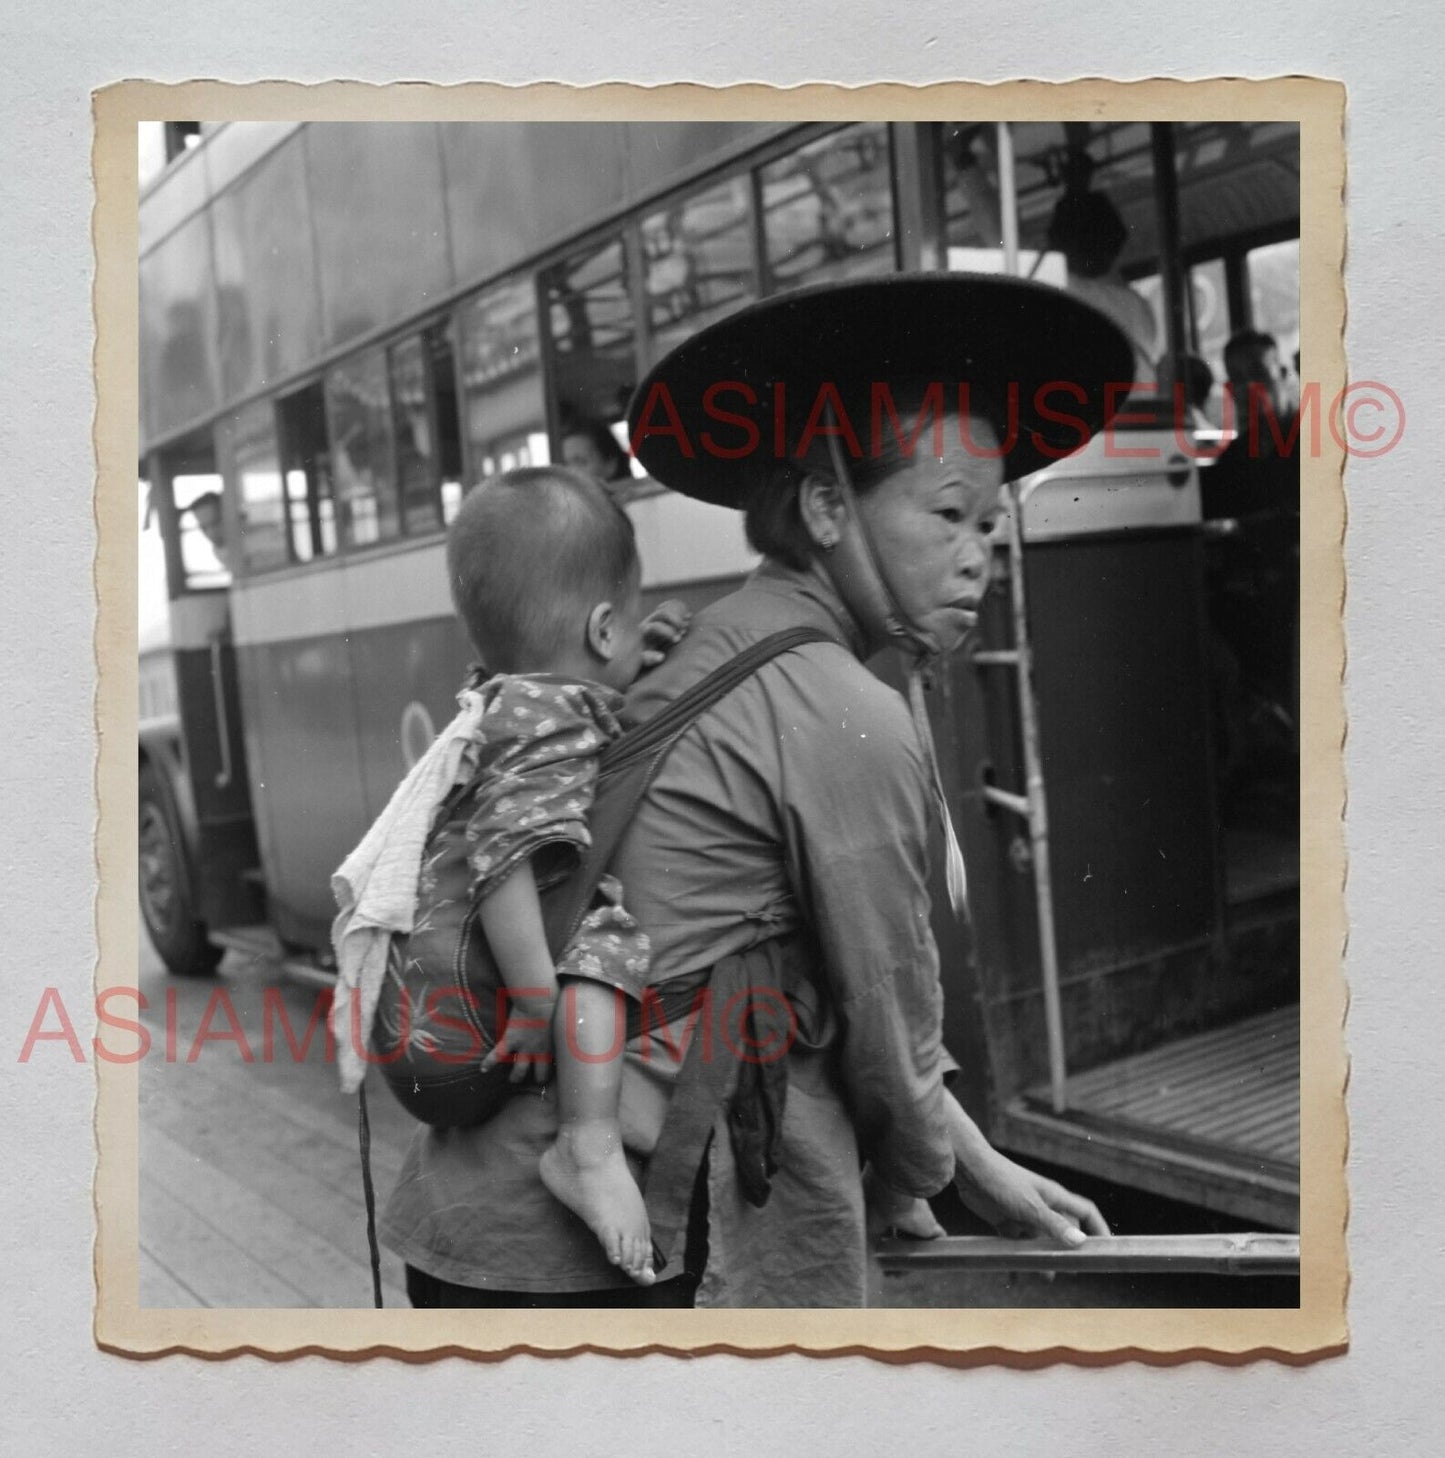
167,903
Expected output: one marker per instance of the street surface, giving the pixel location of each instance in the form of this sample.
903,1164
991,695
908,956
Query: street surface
250,1177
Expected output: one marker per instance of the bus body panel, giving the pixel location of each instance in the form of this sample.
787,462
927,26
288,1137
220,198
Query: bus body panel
302,747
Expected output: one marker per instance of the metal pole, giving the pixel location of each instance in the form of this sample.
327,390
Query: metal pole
1008,200
1171,263
1037,807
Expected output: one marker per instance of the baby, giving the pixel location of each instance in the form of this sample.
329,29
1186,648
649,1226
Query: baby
545,575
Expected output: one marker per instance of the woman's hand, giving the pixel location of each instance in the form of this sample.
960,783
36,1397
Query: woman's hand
1019,1203
1014,1200
662,629
888,1210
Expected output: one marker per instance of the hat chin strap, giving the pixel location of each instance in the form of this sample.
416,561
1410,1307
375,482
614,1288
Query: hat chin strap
864,587
860,579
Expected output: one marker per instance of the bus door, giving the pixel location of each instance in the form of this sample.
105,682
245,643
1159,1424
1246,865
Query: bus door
1160,998
198,849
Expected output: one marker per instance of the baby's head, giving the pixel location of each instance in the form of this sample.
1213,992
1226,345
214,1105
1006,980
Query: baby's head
545,575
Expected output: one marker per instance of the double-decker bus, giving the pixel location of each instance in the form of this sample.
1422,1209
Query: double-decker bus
345,327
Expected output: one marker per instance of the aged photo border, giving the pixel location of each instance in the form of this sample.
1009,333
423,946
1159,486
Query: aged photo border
1019,1336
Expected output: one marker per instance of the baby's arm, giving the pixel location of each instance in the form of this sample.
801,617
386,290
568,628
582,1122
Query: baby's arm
511,917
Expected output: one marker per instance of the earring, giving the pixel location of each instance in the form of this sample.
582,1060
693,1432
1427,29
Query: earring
828,543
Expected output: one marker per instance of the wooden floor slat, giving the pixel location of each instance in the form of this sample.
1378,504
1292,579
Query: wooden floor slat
160,1287
250,1173
327,1274
1212,1054
296,1176
216,1268
1209,1053
1235,1088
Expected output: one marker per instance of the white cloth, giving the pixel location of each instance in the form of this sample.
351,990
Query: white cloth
376,886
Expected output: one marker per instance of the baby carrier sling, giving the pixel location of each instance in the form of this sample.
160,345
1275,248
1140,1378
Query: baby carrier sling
439,1003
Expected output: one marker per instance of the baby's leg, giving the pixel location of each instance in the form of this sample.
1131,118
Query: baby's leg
586,1169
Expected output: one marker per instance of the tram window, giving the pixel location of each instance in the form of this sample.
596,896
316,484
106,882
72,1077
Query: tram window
252,466
503,410
697,262
594,337
358,411
828,209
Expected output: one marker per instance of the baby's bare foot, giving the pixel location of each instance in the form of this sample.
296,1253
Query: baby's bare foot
587,1171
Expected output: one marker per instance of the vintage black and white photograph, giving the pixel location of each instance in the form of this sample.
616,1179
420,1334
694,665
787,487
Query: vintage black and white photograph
720,718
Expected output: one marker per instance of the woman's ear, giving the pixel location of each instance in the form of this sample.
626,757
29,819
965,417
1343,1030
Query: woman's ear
822,508
602,631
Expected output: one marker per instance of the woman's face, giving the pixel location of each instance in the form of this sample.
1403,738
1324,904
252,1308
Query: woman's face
930,522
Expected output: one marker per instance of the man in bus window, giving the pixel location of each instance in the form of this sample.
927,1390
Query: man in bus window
206,511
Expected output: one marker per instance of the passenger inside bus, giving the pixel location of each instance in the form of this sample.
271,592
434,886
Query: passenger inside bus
206,512
1087,229
1252,495
588,445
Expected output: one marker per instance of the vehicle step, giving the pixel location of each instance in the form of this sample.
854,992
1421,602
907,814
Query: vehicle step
1245,1254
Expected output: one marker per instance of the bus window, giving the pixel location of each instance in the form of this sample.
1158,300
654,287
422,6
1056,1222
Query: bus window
1273,273
972,225
416,444
1208,321
594,338
446,413
152,607
428,443
1085,213
697,262
306,453
503,411
358,411
252,466
828,209
1086,192
205,554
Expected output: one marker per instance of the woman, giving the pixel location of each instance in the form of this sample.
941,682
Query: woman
780,855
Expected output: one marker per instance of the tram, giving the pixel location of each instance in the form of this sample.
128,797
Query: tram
345,327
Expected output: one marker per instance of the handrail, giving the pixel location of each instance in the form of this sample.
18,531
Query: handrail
1235,1254
1038,816
223,720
